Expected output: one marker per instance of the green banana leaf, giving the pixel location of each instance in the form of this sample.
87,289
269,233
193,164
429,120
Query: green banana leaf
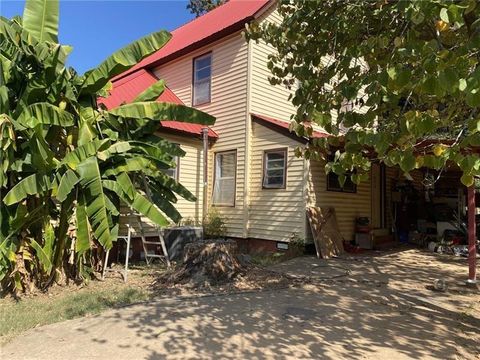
40,18
82,152
82,243
43,257
151,93
34,184
163,111
166,182
129,165
67,184
45,114
139,203
96,208
123,60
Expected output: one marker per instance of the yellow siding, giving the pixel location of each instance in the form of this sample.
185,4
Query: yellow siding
266,99
348,206
190,175
275,214
228,105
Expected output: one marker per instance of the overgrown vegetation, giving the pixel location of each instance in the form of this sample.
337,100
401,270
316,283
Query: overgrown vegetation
66,162
396,82
214,226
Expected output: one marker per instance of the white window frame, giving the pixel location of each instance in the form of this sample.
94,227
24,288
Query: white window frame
265,184
196,81
217,179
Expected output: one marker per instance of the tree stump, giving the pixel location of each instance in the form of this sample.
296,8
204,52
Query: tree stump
208,262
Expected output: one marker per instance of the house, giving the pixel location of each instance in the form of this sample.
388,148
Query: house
255,181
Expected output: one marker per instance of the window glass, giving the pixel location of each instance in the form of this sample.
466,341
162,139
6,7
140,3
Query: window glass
202,79
274,169
225,173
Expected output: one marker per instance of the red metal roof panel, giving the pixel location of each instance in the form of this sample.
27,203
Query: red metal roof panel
128,88
217,23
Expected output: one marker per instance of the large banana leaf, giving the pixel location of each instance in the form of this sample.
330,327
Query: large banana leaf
139,203
129,165
158,149
116,148
34,184
40,18
96,209
67,183
82,152
163,111
43,257
122,60
151,93
82,243
166,182
45,114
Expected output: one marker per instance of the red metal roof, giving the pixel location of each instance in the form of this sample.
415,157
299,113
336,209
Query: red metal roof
217,23
285,125
128,88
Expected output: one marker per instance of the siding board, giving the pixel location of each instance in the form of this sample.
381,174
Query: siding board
275,214
229,106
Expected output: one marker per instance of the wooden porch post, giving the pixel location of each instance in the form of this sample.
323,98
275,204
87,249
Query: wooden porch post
205,172
472,253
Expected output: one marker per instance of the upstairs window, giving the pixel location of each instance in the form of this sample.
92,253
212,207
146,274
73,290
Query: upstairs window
202,79
275,169
225,178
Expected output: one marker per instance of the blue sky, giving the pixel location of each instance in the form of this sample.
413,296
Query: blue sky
95,29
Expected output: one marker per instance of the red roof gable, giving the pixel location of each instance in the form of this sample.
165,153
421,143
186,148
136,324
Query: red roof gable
215,24
286,126
128,88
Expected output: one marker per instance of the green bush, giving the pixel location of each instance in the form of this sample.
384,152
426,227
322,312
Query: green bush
214,225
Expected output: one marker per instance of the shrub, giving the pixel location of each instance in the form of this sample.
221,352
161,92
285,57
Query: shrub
214,225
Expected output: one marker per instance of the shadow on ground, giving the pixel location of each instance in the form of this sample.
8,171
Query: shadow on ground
337,320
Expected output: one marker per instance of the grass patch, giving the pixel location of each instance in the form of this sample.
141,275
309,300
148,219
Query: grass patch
30,312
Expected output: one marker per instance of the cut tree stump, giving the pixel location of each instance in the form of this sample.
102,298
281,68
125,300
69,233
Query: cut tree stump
208,262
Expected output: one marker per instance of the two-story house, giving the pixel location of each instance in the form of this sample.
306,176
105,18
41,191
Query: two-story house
254,178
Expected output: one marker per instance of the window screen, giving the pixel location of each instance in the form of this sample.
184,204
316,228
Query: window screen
225,177
275,169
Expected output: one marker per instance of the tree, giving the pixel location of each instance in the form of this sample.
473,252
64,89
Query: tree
67,163
200,7
393,81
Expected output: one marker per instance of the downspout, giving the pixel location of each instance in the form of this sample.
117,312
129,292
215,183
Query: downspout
205,173
248,131
472,238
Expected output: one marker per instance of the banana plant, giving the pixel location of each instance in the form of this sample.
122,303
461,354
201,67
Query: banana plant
67,163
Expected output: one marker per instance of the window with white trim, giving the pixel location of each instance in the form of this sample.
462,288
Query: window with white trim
202,79
275,169
225,178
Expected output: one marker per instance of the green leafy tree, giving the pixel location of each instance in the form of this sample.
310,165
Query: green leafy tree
393,81
200,7
66,162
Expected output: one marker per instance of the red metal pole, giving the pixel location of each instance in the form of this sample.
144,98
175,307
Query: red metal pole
472,253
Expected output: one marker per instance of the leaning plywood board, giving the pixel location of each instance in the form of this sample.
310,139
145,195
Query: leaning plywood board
326,235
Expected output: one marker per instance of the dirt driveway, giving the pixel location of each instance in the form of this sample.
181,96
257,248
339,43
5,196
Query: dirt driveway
359,316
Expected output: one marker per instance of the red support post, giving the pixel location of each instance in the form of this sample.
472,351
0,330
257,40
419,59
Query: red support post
472,238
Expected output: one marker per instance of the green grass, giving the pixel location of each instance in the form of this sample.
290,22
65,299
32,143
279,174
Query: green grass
18,316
